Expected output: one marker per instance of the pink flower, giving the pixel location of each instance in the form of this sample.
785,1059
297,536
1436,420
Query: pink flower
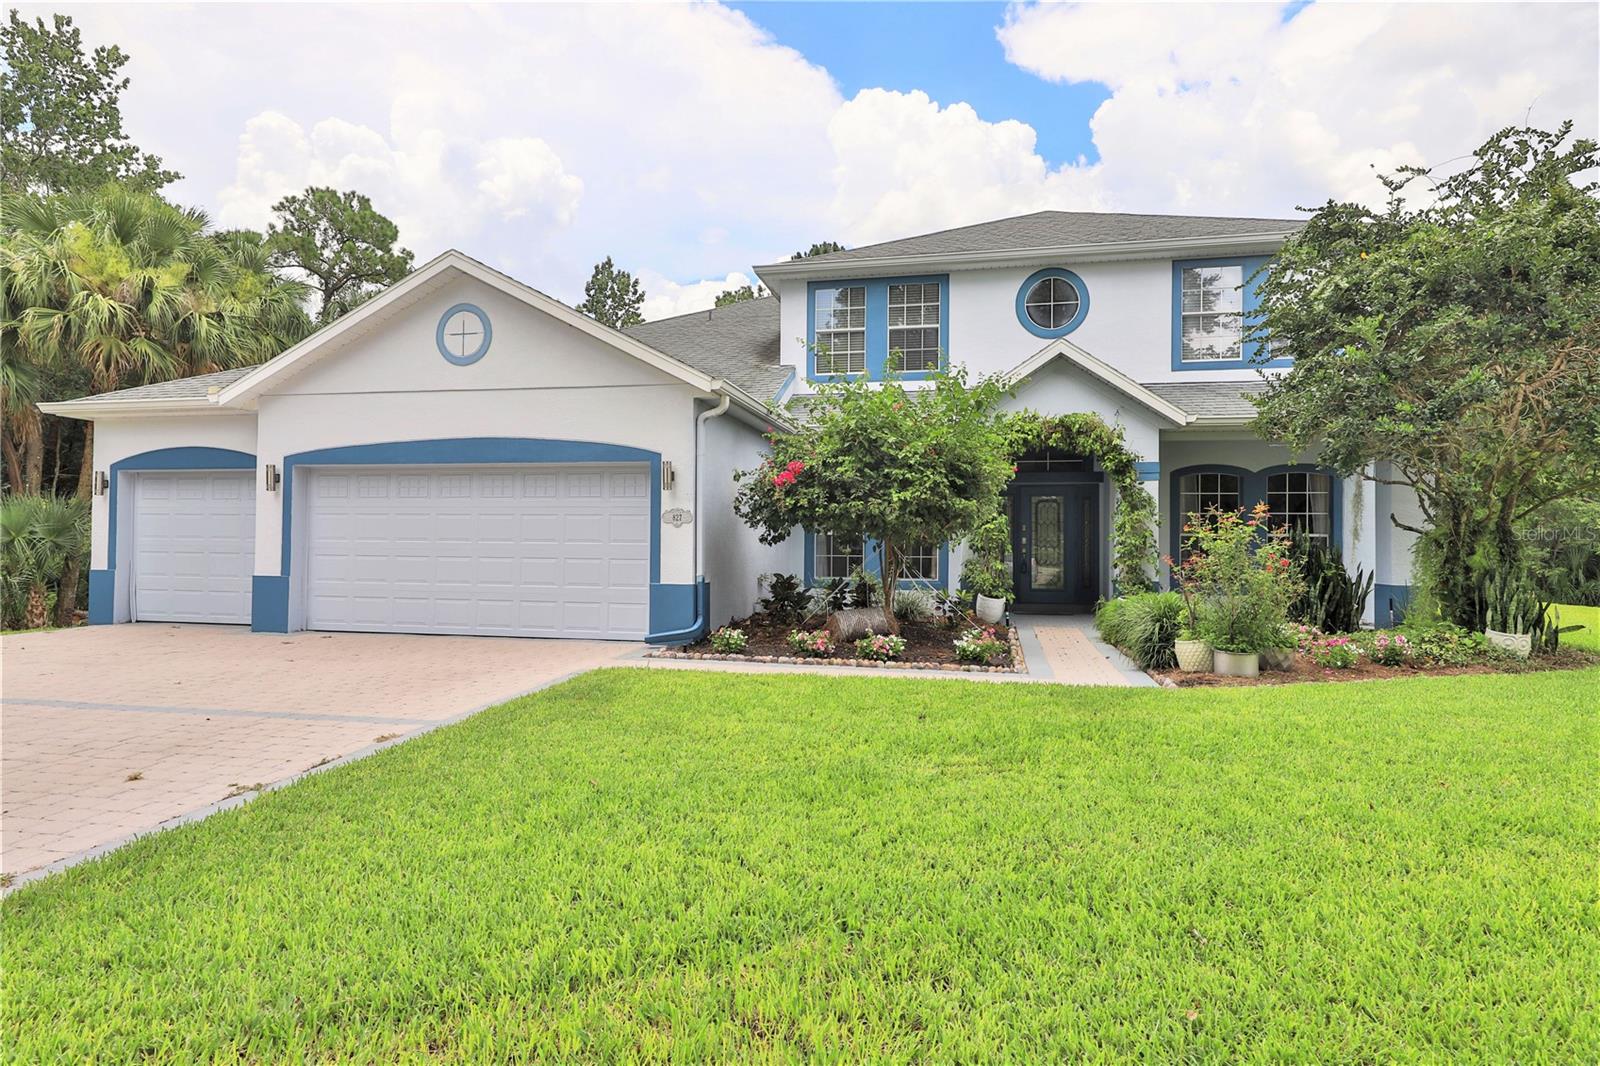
795,466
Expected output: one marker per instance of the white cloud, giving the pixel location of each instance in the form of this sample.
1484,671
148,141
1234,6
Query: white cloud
1230,109
664,297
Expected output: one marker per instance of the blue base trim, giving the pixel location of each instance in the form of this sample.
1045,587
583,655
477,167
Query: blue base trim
679,613
1389,604
269,604
1148,471
102,597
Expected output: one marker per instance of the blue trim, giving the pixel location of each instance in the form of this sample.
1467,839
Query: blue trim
1147,471
1251,269
877,325
103,591
1391,602
269,604
102,597
1253,487
1022,302
456,451
679,614
483,347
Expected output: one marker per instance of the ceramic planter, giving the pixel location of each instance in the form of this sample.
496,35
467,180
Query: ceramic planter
991,609
1518,644
1277,658
1238,664
1194,656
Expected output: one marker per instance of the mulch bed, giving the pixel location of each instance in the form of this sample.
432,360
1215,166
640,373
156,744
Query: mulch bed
1303,669
929,646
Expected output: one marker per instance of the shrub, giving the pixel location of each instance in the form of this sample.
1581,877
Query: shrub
1335,653
1330,598
1389,649
981,646
787,601
42,539
1144,626
728,640
986,572
813,642
1246,580
913,605
884,647
1304,636
1440,643
865,588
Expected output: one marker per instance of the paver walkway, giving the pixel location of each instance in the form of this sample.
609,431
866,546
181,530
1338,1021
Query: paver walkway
108,731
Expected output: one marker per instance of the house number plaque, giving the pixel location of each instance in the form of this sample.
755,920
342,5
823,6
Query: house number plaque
677,517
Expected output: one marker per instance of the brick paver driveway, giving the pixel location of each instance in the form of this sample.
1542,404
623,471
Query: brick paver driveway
109,731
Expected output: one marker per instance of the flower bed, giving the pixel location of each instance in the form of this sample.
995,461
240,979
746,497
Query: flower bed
928,646
1365,668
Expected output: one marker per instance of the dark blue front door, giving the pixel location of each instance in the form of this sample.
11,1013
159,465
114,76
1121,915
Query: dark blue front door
1056,544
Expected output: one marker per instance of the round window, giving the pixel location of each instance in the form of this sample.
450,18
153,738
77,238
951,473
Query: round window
1052,303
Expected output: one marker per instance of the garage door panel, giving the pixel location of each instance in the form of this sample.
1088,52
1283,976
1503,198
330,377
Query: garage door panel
553,552
193,547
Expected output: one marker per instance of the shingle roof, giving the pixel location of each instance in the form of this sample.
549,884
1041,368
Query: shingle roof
1055,229
738,342
1210,399
193,388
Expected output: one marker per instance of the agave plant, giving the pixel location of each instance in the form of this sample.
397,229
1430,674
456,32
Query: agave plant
39,536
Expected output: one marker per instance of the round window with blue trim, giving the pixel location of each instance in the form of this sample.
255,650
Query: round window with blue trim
463,334
1052,303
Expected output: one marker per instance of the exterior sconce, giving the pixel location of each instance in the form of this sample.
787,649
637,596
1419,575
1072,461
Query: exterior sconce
270,478
101,482
669,476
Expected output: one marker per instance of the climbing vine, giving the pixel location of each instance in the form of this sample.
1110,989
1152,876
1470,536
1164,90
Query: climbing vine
1133,544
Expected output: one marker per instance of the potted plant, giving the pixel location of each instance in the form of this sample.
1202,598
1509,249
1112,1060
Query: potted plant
1512,613
1194,655
1279,655
986,574
1247,582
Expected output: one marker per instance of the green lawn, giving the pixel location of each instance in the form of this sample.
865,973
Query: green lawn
1588,637
698,866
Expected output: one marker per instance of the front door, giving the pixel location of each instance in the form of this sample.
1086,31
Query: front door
1056,545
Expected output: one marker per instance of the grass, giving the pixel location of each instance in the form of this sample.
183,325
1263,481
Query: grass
649,865
1588,637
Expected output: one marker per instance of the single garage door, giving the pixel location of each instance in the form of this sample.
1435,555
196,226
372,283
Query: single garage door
530,551
194,540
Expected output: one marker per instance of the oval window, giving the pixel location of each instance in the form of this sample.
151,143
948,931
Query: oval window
1052,303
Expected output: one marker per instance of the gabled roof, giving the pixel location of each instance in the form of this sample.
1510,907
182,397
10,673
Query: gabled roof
1049,234
242,388
1216,402
1070,353
738,342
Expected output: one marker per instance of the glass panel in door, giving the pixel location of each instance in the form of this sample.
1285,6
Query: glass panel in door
1047,552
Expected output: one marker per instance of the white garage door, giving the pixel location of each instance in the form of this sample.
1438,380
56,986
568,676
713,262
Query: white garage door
530,551
193,546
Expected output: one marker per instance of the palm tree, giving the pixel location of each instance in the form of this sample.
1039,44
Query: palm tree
40,537
135,290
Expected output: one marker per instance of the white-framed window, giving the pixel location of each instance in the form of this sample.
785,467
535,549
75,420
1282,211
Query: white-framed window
1303,501
921,563
841,329
1211,310
1052,303
834,556
914,324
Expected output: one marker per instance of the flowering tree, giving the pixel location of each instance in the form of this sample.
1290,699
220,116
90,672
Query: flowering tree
901,466
1244,575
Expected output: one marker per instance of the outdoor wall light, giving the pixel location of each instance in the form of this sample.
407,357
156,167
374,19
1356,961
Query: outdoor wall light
669,477
101,482
270,477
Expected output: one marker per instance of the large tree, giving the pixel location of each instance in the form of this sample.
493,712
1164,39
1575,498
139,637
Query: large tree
345,248
740,294
60,114
876,460
819,248
1451,347
612,296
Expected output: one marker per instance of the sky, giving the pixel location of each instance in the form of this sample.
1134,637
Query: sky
690,142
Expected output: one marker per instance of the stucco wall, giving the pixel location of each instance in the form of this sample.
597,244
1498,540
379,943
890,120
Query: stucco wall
1061,387
734,558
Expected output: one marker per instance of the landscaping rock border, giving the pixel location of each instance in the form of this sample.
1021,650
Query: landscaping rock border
1018,664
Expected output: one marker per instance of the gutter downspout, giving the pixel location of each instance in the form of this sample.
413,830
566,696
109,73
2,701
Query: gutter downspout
700,420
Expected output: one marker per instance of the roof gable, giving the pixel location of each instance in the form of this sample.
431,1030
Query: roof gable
1065,351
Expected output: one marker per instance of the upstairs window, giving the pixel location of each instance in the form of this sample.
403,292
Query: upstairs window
914,325
835,557
1303,502
1052,302
1211,314
841,330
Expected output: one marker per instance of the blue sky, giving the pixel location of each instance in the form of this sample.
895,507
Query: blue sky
692,141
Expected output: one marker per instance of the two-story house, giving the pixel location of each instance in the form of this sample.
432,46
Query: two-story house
463,454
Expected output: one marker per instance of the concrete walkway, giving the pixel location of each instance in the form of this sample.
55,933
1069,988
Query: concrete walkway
107,732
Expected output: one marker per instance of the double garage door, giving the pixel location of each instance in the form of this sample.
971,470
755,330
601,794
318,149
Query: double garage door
536,551
532,551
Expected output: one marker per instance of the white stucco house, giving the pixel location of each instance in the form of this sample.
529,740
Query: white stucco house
464,454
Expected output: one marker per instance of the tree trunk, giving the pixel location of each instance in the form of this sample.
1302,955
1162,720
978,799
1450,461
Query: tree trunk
13,463
32,456
67,592
37,615
86,467
850,625
55,437
889,556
